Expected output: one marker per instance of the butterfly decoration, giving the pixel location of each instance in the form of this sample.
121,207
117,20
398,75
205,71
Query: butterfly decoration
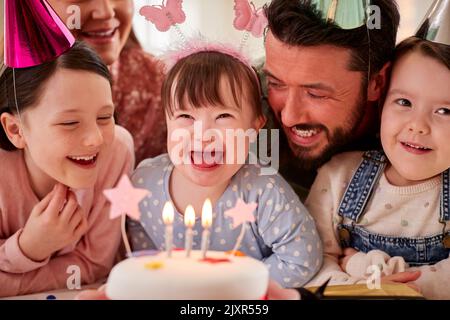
248,18
165,15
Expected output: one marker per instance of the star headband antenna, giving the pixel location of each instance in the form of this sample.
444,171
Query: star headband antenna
165,16
249,19
170,14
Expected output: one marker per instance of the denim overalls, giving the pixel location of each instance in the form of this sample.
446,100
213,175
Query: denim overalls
416,251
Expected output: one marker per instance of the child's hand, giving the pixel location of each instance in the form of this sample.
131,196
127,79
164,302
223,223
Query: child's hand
54,223
407,277
93,294
348,253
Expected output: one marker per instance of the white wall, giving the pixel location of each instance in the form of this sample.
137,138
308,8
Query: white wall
411,14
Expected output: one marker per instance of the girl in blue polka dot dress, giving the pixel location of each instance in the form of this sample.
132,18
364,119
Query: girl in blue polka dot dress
209,93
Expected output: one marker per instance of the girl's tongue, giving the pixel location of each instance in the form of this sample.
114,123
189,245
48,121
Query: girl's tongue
205,159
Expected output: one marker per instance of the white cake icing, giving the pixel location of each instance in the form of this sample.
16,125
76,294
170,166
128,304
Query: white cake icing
179,278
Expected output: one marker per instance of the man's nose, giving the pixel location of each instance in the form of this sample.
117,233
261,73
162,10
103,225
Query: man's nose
294,111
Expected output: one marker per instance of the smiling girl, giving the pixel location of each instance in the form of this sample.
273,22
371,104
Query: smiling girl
388,211
214,89
59,149
106,25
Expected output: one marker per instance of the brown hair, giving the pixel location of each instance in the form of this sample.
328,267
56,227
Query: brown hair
197,78
30,81
299,23
437,51
440,52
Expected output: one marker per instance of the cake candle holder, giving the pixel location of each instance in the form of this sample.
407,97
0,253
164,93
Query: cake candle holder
168,215
206,224
189,221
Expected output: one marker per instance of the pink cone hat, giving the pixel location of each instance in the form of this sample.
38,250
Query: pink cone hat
34,33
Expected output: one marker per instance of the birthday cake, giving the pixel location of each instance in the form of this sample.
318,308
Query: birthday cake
220,276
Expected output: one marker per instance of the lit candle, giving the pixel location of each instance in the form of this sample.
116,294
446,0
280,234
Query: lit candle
168,213
206,223
189,221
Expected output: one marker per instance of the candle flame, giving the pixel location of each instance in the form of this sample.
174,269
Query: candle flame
168,213
207,214
189,216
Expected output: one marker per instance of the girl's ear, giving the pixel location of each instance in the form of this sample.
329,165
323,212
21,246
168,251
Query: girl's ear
12,127
377,83
260,122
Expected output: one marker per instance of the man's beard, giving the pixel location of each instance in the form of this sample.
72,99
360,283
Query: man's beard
337,140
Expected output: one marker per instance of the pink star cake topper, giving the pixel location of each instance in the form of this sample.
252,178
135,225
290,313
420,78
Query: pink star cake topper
242,212
125,199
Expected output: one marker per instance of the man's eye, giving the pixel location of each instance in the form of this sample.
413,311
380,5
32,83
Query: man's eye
443,111
316,96
403,102
224,116
274,84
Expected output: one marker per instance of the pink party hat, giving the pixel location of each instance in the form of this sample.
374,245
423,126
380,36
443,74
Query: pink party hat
34,33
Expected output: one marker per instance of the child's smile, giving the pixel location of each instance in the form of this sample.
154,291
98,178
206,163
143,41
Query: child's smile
415,148
207,160
85,162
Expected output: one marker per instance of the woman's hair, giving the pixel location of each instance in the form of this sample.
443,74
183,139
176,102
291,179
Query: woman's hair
30,82
437,51
196,79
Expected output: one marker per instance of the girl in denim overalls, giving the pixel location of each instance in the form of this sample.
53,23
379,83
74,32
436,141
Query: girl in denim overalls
390,209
